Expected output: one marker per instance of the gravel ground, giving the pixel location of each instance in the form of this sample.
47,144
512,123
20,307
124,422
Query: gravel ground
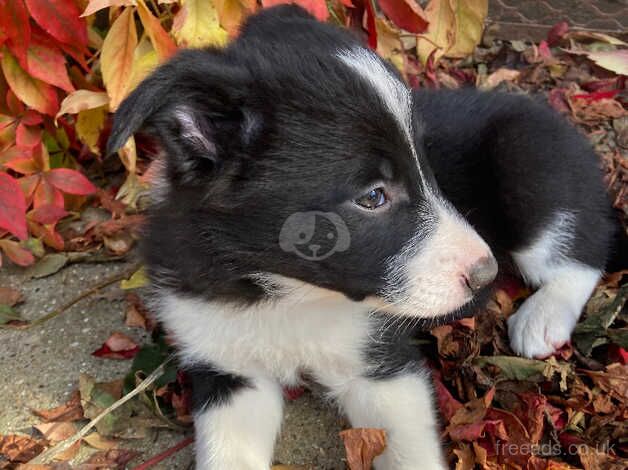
39,368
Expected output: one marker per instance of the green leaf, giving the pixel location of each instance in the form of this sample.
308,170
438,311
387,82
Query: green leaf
515,368
7,314
149,357
593,330
49,264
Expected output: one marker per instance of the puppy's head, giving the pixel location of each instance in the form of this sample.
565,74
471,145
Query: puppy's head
294,152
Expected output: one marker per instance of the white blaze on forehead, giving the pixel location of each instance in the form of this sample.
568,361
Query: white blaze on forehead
390,89
393,92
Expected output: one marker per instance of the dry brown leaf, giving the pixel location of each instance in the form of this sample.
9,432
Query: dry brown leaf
613,381
593,459
58,431
499,76
473,411
16,448
466,457
362,445
105,459
69,411
99,442
136,312
9,296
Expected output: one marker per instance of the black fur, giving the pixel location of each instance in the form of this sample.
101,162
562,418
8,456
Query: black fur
509,163
211,387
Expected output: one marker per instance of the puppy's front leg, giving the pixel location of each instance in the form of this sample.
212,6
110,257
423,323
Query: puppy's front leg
402,405
236,420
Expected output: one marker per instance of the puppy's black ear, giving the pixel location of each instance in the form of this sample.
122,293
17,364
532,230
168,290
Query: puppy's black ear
188,104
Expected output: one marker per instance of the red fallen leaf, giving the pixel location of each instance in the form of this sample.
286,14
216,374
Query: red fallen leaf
618,354
70,181
46,194
292,393
16,253
371,28
568,439
597,95
47,63
556,416
48,235
557,32
447,404
61,19
318,8
27,137
15,25
606,84
12,207
14,104
519,452
32,118
407,14
544,50
117,346
29,185
47,214
362,445
33,92
474,431
69,411
596,106
531,412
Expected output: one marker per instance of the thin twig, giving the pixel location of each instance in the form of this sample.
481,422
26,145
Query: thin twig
107,282
165,454
48,455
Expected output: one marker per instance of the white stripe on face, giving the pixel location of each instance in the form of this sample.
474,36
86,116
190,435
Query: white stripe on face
393,92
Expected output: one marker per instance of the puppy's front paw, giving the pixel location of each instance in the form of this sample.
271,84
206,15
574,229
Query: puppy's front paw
542,325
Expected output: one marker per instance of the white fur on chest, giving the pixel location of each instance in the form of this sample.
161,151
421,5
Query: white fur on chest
306,329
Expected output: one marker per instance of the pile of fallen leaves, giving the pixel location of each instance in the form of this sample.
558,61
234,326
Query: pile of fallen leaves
498,411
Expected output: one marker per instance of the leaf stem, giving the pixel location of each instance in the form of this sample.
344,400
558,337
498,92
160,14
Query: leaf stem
165,454
48,455
107,282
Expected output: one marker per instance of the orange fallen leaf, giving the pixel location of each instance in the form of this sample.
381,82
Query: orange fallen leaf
16,449
9,296
362,445
69,411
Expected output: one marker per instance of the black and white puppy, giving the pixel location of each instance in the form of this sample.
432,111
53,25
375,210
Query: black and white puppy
312,210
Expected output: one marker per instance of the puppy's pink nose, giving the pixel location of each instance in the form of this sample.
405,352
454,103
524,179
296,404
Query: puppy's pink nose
481,273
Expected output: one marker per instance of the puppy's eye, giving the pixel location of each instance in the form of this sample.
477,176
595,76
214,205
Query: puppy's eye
373,199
